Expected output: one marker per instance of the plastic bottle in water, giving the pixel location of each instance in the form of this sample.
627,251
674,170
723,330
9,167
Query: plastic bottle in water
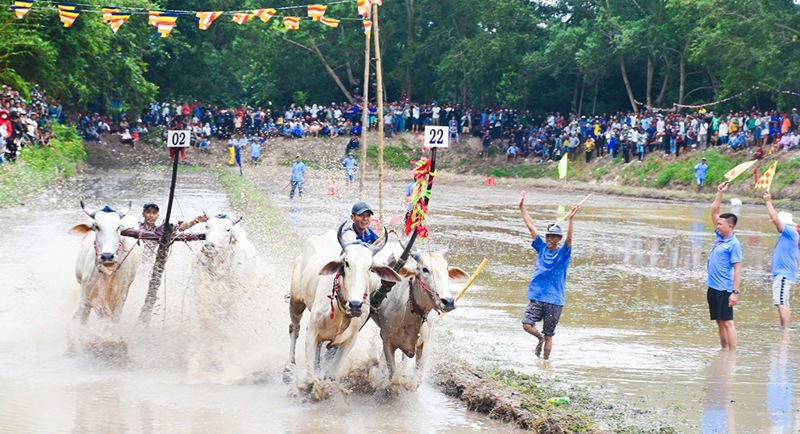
558,400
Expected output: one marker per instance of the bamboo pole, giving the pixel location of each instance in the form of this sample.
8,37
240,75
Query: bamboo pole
472,278
379,97
362,165
567,214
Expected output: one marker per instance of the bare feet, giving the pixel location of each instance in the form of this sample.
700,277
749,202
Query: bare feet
539,347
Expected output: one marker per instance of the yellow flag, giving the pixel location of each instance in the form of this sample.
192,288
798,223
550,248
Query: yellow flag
738,170
766,179
562,167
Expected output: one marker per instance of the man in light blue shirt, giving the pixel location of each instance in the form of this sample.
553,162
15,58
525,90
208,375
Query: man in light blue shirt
546,290
724,273
700,170
350,165
784,260
298,176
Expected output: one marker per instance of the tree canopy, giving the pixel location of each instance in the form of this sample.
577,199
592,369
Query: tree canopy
585,56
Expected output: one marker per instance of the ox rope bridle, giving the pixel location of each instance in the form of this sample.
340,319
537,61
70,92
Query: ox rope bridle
119,247
337,293
415,308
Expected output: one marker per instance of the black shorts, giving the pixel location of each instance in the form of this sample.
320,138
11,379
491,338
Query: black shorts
718,305
548,313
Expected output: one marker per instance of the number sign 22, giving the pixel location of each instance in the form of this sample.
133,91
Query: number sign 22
436,137
178,138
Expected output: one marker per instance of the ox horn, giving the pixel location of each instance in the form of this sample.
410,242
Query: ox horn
382,240
339,235
124,212
89,212
238,220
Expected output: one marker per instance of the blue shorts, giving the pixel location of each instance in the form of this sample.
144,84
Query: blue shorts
548,313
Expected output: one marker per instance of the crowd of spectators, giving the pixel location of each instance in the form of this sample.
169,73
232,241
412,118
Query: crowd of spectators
24,124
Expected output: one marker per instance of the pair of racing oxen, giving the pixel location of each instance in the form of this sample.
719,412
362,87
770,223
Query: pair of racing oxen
333,278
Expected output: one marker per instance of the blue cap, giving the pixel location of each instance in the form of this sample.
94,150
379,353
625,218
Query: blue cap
361,207
554,230
150,205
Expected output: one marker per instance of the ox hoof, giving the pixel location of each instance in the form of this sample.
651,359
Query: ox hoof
288,374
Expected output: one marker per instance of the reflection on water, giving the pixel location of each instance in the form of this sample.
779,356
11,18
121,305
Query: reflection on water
780,382
718,404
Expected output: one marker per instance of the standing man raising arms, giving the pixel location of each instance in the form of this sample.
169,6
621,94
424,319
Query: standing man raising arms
724,272
784,260
546,290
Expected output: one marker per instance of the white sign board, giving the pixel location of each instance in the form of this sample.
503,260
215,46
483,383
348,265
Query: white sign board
436,137
178,138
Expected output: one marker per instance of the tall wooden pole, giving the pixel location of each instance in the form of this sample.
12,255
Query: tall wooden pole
362,166
379,95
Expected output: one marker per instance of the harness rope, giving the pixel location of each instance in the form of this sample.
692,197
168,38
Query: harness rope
338,290
415,308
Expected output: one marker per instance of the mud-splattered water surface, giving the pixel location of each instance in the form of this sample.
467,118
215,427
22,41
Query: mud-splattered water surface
634,331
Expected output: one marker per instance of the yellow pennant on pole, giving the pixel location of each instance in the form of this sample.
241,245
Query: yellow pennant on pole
562,167
738,170
766,179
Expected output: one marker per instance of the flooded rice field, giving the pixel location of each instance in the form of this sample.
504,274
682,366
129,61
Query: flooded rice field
634,330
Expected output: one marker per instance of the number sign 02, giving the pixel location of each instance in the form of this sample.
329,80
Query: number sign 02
436,137
178,138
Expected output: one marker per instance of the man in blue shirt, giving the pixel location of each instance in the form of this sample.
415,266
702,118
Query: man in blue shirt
546,290
298,176
724,273
700,170
350,165
784,260
361,214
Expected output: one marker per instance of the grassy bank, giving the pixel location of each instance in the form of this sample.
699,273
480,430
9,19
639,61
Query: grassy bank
36,167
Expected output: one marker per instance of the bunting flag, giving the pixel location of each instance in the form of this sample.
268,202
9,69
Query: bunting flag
204,19
367,26
152,17
738,170
315,12
562,167
241,18
766,179
419,192
107,11
68,13
21,8
165,22
377,2
363,8
291,23
330,22
117,19
264,14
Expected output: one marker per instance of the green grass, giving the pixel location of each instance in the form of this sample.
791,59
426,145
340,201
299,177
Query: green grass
523,171
786,173
394,157
36,167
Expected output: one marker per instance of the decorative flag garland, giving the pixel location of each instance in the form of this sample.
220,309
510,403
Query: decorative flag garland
676,106
417,218
766,179
165,20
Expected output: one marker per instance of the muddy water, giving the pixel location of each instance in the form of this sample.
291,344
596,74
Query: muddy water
635,329
177,375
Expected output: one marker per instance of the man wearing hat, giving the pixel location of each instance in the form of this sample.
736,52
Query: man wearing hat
784,260
150,213
546,290
361,215
350,165
700,170
298,176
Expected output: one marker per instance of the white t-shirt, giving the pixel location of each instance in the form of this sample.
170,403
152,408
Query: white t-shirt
435,110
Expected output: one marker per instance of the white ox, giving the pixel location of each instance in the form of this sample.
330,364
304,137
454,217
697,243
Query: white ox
107,262
333,280
402,317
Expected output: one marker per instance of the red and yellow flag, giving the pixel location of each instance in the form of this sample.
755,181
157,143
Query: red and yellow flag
766,179
204,19
21,8
117,19
165,22
152,17
264,14
241,18
291,23
315,12
107,11
330,22
363,8
367,26
68,13
738,170
377,2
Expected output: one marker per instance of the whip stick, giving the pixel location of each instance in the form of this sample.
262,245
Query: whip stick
472,278
567,214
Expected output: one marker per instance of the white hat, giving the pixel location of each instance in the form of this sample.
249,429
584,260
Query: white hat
786,218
